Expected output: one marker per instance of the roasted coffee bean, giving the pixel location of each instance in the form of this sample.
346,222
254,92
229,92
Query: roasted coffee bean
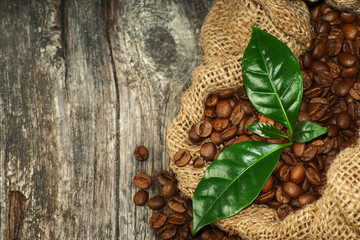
190,212
317,66
167,231
291,189
237,114
250,121
209,112
343,120
164,176
203,129
247,106
315,91
319,50
194,137
141,197
350,31
268,185
225,94
343,87
229,133
307,79
281,196
273,204
284,210
288,158
324,78
306,198
308,58
216,236
284,173
354,109
266,196
346,59
141,153
316,111
305,185
182,233
335,69
333,130
208,151
303,116
349,72
309,153
223,109
182,157
242,138
347,17
169,189
156,203
298,149
215,138
199,162
333,47
329,145
177,204
298,173
142,180
221,124
205,235
157,220
313,176
355,91
278,166
212,100
177,218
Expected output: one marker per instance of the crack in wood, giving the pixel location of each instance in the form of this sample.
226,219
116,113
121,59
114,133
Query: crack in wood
14,221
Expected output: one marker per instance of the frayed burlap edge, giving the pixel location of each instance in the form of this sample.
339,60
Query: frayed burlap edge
332,216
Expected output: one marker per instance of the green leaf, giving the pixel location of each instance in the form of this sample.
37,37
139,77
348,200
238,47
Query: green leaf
266,130
233,181
306,131
272,78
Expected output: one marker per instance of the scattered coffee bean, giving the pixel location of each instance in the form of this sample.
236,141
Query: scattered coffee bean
156,203
208,151
284,210
142,180
167,231
182,157
164,176
291,189
169,189
157,220
203,129
177,218
177,204
141,153
141,197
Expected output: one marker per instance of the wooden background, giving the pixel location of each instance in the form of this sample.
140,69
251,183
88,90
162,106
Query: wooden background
82,83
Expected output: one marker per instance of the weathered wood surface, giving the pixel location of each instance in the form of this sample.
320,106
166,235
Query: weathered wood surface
82,83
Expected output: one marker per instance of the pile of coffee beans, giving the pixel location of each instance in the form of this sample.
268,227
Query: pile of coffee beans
172,216
331,99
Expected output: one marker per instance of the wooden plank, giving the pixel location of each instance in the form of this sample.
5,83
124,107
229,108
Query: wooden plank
82,83
155,49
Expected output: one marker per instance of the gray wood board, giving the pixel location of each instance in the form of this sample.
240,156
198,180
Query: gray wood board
82,83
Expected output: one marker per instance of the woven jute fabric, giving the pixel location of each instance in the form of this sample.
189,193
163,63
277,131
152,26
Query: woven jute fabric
224,36
345,5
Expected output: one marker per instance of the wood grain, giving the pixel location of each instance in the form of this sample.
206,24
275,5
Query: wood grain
82,83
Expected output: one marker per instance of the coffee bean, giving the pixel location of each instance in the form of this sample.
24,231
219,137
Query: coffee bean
278,166
156,203
237,114
303,116
221,124
250,121
291,189
306,198
182,233
284,210
177,204
194,137
268,185
223,109
333,130
142,180
308,58
247,106
305,185
347,17
349,72
281,196
208,151
215,138
167,231
333,47
242,138
199,162
307,80
212,100
182,157
298,173
169,189
203,129
343,120
343,87
225,94
284,173
157,220
165,176
266,196
319,50
229,133
140,198
216,236
314,91
330,16
346,59
288,158
313,176
309,153
355,91
141,153
350,31
335,69
177,218
298,149
317,66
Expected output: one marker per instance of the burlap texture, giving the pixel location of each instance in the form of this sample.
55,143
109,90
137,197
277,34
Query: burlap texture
224,36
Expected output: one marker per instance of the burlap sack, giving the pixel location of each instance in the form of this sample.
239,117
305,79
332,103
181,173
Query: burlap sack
224,36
